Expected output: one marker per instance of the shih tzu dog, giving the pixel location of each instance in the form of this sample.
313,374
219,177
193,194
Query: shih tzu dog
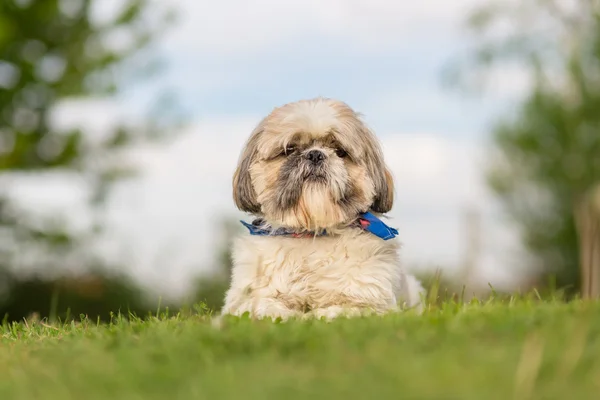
314,176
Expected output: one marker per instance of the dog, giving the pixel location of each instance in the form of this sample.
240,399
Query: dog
314,176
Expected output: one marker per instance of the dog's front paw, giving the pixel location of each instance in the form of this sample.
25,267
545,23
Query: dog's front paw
332,312
273,309
264,308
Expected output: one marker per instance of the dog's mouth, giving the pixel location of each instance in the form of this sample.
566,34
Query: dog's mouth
315,177
315,173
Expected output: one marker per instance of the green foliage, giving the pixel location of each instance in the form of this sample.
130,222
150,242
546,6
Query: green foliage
548,152
53,51
95,295
517,348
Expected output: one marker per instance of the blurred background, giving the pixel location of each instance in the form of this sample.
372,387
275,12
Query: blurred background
121,122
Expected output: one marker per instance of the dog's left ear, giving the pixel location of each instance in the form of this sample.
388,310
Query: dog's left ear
383,180
384,191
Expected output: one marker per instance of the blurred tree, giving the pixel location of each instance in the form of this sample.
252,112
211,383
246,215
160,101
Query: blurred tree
57,50
547,154
96,295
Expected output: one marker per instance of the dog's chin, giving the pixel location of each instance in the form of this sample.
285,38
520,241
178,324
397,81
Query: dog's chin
315,210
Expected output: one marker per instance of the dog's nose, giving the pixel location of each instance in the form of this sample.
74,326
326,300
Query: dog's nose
315,156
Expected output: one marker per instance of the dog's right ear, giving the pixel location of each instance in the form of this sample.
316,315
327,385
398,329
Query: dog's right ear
243,191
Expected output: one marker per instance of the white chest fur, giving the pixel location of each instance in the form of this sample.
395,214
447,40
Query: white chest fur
349,274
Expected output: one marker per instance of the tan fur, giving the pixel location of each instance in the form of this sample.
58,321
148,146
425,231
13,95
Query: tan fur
349,272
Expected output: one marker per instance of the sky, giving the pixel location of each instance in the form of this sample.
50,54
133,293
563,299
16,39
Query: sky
230,62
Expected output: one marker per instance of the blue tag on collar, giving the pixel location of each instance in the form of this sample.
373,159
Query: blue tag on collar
376,226
366,221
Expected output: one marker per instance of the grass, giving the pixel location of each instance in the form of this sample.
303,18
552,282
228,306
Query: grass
501,349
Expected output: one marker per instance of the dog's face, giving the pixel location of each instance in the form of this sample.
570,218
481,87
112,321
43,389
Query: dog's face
312,165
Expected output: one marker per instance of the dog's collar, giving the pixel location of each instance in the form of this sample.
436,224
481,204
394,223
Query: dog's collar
365,221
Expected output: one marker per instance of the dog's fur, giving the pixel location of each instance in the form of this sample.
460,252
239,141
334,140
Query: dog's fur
346,272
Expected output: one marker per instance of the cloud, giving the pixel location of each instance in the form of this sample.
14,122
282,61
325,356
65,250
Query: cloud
235,28
245,57
95,116
428,166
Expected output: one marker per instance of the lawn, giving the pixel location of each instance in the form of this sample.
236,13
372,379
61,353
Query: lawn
493,350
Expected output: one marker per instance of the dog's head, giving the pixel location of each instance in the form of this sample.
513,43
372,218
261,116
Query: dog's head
312,164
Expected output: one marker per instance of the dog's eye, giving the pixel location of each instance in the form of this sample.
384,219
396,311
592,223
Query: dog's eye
289,149
341,153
